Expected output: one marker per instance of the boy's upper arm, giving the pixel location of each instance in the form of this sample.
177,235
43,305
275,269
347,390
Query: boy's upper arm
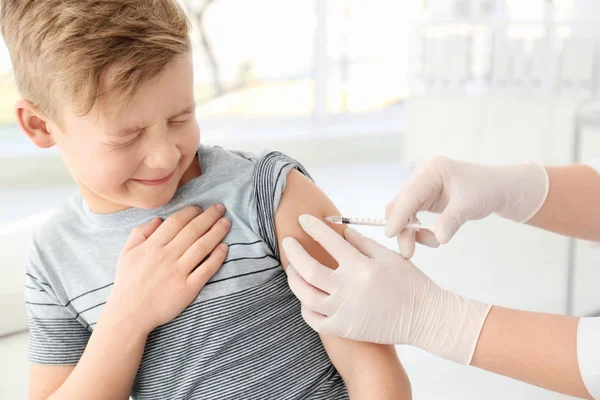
56,339
301,196
46,379
379,374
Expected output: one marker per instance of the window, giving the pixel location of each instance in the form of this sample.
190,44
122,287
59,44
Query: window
253,58
367,54
286,62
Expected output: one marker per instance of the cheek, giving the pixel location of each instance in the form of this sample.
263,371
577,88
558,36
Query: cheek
82,159
112,170
190,139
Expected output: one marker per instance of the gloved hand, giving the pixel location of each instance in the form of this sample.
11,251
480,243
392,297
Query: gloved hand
463,191
378,296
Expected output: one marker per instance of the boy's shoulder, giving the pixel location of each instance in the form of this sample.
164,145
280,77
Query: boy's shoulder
216,157
220,156
64,217
69,218
51,234
222,165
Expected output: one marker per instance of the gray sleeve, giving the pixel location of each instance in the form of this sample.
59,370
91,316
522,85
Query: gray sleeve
55,335
269,179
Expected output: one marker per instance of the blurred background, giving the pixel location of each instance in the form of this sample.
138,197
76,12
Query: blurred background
358,91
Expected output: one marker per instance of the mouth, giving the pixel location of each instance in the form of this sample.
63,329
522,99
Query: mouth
155,182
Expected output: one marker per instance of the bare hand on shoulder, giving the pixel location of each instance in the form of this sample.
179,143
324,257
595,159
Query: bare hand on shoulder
164,265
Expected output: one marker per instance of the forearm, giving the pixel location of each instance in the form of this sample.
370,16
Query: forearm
537,348
109,364
370,371
573,201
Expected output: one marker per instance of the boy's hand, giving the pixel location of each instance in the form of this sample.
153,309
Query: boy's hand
161,270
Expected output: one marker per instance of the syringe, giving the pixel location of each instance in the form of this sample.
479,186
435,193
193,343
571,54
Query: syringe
370,222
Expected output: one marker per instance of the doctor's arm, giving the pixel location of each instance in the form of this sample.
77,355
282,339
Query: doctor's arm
537,348
377,295
562,199
572,206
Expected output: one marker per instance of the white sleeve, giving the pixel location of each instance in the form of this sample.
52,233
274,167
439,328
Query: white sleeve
588,354
595,164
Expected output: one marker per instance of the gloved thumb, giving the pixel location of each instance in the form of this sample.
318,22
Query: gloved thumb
448,223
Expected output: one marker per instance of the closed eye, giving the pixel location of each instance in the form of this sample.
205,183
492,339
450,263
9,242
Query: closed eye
129,142
180,121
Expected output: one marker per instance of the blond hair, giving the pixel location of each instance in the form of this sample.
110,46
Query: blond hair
63,49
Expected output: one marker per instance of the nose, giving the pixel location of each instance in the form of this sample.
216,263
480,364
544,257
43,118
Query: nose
163,153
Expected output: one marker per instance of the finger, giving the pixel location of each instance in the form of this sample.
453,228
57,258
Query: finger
406,243
427,238
448,223
308,295
174,224
389,208
204,246
406,204
315,320
198,278
311,270
410,200
331,241
140,233
365,245
195,229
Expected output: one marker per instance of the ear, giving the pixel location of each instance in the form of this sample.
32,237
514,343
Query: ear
33,124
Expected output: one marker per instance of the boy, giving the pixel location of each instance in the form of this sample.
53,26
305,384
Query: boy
113,292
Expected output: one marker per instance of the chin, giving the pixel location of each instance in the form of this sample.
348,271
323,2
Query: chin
148,206
150,201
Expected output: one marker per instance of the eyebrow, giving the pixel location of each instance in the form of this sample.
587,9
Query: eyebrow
128,131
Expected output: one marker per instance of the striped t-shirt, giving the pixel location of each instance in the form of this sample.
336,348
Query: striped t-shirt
243,337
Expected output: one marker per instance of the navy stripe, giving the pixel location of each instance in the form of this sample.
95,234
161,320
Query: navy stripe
37,280
44,304
246,274
244,244
91,291
246,258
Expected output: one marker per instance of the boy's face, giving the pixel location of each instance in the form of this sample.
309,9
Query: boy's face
139,155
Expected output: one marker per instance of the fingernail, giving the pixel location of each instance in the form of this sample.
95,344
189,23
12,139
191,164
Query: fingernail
352,234
351,231
388,231
225,222
431,241
220,208
223,247
443,236
405,254
286,243
305,220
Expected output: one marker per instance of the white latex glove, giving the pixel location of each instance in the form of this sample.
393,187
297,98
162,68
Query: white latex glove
378,296
463,191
